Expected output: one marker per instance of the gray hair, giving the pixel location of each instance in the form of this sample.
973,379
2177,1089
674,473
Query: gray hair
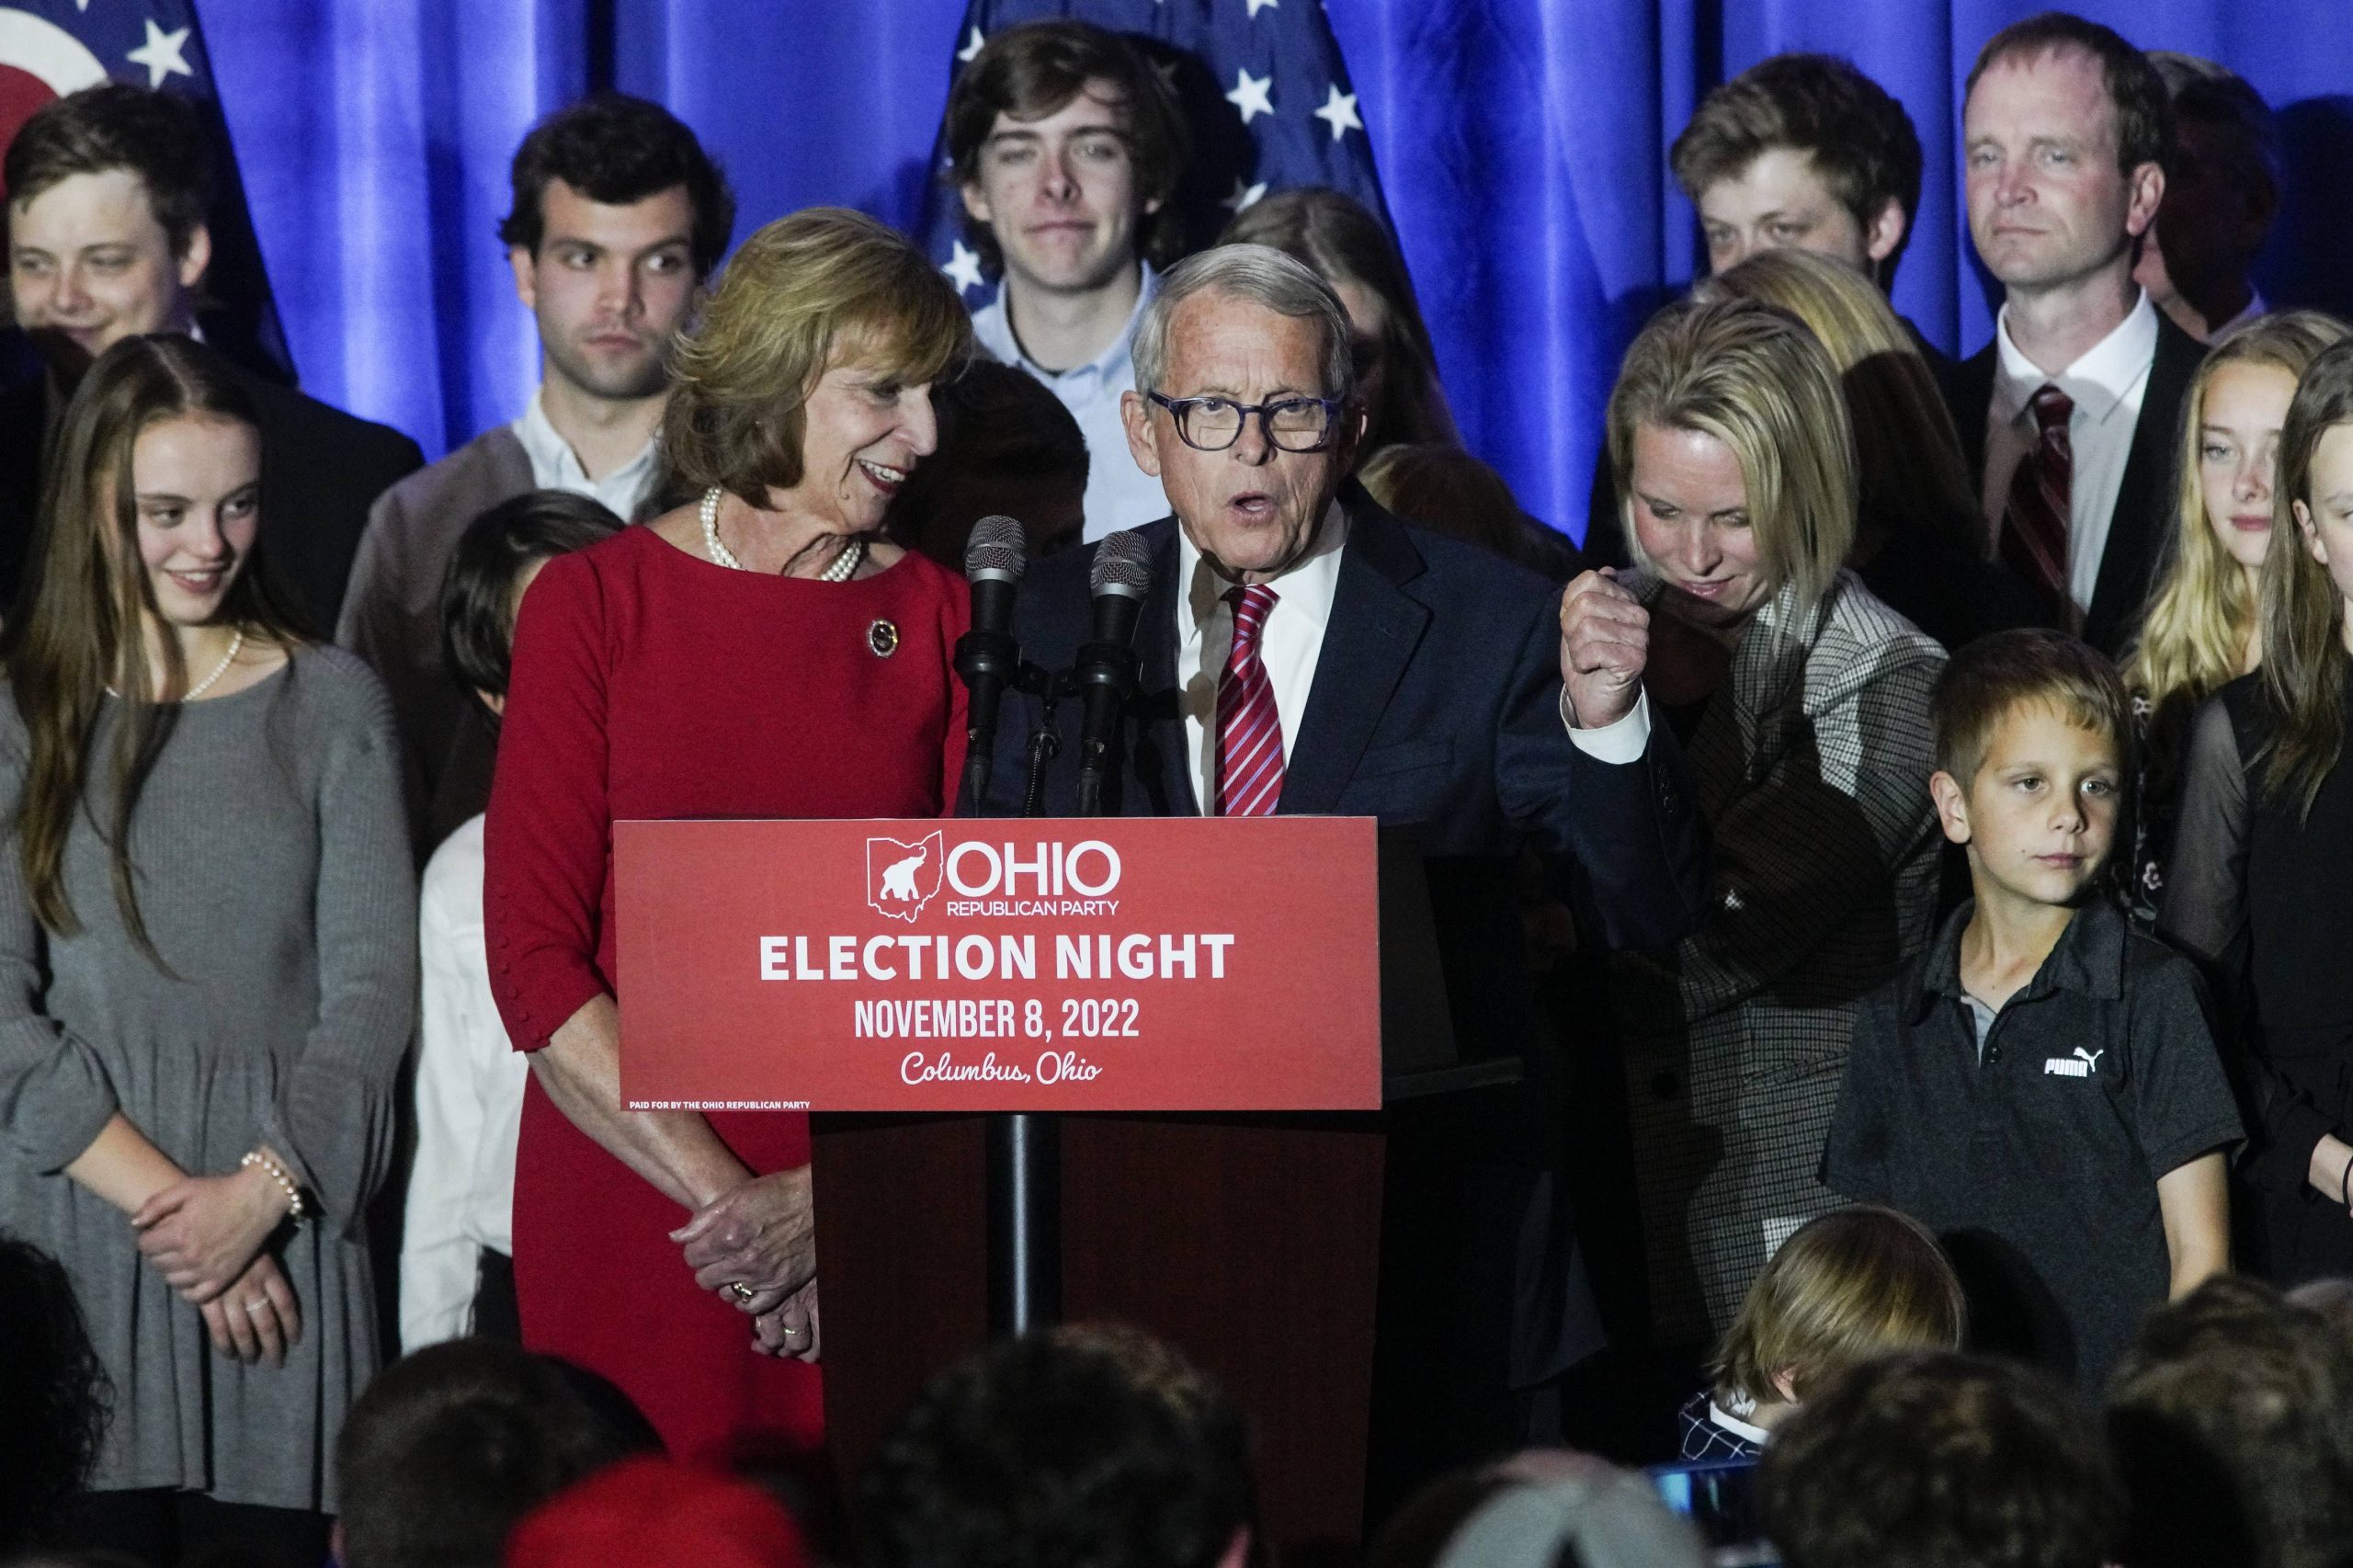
1263,276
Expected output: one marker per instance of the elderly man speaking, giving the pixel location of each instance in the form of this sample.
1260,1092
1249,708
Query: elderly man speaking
1304,651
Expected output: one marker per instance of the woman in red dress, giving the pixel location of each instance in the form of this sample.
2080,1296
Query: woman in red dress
762,652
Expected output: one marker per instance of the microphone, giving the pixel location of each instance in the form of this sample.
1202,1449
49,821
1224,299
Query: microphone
987,657
1105,675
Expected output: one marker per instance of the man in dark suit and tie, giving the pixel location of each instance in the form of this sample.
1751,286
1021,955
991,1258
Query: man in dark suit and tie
2071,414
1304,651
106,240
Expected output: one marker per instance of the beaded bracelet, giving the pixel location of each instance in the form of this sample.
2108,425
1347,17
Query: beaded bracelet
295,1209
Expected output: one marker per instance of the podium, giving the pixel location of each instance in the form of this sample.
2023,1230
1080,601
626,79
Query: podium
1221,1173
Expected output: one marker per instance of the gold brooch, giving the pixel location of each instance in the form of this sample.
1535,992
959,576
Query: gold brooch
883,638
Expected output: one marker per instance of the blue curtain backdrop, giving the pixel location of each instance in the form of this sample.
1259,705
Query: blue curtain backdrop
1521,143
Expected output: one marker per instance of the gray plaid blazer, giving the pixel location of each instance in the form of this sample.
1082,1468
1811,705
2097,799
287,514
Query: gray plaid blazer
1812,769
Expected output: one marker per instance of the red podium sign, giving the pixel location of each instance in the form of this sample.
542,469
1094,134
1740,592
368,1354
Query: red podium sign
1133,964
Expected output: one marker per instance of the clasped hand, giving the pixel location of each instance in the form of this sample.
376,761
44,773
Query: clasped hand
761,1234
202,1231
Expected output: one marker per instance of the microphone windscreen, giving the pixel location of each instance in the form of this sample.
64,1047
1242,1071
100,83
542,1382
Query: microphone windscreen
1122,566
997,545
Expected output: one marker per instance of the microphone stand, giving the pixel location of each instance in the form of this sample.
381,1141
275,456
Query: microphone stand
1025,1148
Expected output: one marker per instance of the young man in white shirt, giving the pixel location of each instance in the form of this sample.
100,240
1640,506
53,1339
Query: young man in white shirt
457,1242
619,216
2070,414
1066,145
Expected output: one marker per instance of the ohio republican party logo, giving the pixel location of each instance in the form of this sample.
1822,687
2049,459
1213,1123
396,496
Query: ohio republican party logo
900,879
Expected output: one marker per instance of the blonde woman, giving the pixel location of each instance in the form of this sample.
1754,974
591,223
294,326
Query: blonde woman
760,652
2262,874
1919,535
2203,628
1803,704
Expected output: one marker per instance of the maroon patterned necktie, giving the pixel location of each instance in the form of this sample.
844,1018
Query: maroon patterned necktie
2034,520
1249,731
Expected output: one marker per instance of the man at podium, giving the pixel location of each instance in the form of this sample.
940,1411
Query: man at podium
1304,651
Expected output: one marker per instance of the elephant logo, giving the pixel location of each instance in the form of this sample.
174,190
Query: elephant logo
900,879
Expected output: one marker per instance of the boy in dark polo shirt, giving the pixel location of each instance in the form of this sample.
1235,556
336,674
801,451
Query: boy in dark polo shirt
2041,1087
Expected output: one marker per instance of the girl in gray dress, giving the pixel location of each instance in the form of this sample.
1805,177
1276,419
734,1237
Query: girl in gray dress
207,966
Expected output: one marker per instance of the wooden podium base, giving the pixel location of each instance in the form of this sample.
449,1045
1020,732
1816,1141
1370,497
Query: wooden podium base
1251,1243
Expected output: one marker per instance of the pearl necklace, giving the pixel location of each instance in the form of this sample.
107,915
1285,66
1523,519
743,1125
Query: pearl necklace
236,645
844,567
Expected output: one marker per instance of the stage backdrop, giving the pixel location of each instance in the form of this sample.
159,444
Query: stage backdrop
1521,144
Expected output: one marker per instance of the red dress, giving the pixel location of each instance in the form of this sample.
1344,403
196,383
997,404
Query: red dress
649,682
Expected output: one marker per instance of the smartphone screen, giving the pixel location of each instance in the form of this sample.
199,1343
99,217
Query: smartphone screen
1719,1497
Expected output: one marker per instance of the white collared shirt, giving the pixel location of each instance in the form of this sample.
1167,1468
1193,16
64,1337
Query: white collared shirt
1118,494
555,466
469,1104
1290,645
2107,386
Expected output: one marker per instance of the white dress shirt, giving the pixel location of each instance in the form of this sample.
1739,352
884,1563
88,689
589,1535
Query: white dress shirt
2107,386
1118,494
1289,646
555,466
468,1102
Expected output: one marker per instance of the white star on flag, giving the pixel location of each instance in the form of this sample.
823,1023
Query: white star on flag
1251,95
161,54
1258,6
1244,194
963,268
971,50
1339,111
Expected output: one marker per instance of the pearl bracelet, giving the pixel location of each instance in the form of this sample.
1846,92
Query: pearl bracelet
277,1172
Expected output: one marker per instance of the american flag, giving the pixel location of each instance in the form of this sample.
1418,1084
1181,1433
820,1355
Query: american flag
50,48
1264,90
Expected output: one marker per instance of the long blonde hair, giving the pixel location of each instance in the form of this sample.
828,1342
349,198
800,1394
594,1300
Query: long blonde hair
2196,630
1910,468
1751,375
2304,610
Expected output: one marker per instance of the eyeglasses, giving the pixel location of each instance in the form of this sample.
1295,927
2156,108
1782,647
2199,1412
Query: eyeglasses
1290,424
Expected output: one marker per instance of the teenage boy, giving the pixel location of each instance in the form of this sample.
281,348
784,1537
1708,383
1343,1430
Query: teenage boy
1065,146
106,190
2041,1087
619,215
1802,151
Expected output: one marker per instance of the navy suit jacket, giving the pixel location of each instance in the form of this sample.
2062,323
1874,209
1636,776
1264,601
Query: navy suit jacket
1435,706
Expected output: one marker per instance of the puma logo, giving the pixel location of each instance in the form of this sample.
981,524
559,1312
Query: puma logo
2079,1065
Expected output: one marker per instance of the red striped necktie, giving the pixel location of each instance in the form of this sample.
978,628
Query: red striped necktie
1249,731
2034,520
